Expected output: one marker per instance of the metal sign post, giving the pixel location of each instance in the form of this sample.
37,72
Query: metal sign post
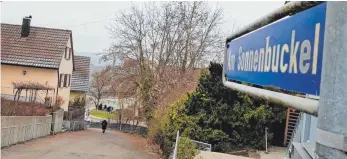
176,145
331,135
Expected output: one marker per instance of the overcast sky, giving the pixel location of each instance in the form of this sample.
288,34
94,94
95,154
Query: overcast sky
87,20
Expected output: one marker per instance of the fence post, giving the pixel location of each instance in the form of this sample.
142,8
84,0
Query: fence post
9,138
31,132
35,130
24,133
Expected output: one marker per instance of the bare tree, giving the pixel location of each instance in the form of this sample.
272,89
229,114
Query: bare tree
164,39
100,85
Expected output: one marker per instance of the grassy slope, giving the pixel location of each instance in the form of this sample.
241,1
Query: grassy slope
102,114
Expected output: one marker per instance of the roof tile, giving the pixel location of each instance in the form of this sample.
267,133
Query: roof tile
44,47
80,77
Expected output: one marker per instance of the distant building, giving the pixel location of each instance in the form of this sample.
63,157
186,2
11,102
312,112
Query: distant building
80,77
37,54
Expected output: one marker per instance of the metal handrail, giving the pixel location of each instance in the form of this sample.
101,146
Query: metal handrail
303,104
206,147
277,14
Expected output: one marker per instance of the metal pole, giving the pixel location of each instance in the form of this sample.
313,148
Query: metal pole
303,104
176,144
266,151
331,135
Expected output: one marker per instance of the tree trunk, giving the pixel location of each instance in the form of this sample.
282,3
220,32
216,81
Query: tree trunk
19,93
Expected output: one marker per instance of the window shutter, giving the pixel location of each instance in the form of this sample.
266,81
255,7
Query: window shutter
65,80
60,78
69,81
70,53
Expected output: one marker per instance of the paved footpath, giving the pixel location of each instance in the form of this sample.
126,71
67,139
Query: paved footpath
88,144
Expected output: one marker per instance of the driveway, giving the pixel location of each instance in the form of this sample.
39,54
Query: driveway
96,119
88,144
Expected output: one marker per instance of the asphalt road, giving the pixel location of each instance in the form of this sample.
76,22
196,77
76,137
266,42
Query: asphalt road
88,144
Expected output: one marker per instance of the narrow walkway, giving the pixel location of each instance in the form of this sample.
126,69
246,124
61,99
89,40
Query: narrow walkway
89,144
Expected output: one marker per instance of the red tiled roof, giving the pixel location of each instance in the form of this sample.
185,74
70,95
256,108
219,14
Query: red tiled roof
80,77
44,47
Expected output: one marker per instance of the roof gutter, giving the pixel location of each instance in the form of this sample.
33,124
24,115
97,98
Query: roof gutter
306,105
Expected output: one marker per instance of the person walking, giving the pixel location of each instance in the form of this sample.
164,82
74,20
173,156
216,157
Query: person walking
103,126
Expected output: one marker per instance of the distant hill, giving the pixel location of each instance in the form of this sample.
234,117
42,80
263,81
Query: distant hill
94,59
95,63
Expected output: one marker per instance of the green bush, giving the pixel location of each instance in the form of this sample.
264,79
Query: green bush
227,116
214,114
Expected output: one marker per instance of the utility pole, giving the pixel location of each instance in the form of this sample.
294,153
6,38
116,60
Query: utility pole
331,132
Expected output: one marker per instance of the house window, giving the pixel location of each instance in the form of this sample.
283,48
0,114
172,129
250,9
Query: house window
68,52
64,80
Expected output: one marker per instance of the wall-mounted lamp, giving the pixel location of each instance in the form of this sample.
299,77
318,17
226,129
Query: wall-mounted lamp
24,72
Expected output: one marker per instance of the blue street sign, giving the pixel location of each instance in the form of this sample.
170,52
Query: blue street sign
286,54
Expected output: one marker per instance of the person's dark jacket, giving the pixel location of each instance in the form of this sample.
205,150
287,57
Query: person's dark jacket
109,109
104,124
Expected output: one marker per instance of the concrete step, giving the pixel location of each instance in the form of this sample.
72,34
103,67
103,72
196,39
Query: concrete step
299,152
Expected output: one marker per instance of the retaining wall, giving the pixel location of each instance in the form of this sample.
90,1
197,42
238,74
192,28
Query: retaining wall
17,129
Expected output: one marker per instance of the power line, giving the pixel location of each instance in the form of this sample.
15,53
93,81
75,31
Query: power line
83,24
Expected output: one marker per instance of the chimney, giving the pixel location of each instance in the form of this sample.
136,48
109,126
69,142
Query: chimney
26,26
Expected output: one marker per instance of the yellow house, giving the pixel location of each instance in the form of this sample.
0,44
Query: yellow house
80,77
36,54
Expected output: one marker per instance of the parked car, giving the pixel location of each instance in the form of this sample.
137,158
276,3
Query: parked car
87,119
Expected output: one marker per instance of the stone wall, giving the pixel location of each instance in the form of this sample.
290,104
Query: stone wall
74,125
57,119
